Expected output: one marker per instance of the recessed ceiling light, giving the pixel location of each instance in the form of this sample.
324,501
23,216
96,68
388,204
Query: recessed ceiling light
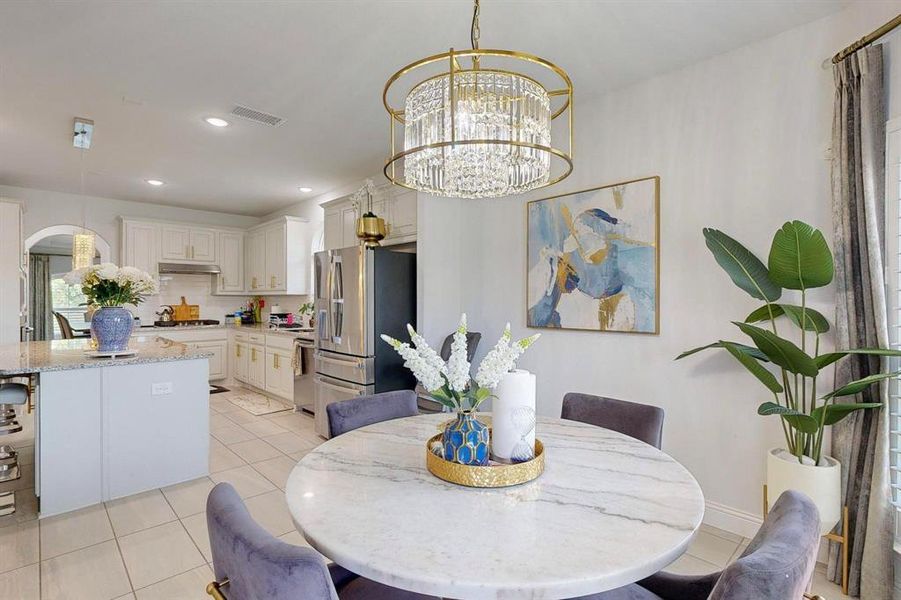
156,182
216,122
305,189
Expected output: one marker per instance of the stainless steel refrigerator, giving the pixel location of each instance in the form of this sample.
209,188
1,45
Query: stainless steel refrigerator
360,293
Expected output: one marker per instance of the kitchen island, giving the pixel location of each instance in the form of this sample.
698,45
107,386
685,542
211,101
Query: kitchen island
107,428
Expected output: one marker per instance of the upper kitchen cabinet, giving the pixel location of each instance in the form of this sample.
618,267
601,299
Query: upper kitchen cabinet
140,245
187,244
231,262
278,257
397,207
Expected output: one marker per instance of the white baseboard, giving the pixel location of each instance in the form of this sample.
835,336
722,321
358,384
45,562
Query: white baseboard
731,519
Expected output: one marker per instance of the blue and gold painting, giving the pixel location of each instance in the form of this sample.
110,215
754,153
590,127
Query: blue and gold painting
593,259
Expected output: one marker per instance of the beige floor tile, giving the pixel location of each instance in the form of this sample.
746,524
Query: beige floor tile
26,508
232,434
187,586
159,553
189,498
726,535
823,587
221,458
738,551
126,597
197,529
691,565
270,511
92,573
296,422
220,403
138,512
297,456
21,584
276,469
289,442
218,421
242,417
213,410
19,545
247,482
74,530
254,450
712,549
263,427
26,455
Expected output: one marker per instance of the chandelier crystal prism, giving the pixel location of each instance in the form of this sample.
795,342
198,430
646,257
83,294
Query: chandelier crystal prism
480,132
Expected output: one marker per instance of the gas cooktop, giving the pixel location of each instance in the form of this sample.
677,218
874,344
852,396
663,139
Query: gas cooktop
191,323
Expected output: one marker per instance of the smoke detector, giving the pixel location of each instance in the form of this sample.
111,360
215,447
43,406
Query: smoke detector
84,130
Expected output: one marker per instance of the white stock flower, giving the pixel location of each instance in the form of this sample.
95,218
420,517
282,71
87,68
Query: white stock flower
457,365
107,271
426,374
426,352
502,358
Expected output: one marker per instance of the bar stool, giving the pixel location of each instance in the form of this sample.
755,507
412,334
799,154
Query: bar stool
12,394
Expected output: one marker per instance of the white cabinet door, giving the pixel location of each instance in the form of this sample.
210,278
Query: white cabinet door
348,227
256,367
242,362
255,261
279,374
141,246
218,367
333,236
402,212
231,261
276,258
202,244
175,243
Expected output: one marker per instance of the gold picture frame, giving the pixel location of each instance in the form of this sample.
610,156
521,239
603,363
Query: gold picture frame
553,270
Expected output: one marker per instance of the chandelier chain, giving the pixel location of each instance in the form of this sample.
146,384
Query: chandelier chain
474,31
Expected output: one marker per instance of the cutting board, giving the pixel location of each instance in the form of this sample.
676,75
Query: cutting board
185,311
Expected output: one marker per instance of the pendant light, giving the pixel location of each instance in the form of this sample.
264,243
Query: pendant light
482,131
84,243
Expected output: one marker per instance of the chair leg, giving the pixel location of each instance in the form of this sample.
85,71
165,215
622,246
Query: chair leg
7,503
9,464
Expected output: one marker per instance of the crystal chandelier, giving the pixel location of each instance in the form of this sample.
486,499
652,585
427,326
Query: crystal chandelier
481,132
82,250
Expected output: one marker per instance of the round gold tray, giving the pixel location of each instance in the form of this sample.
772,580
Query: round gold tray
493,476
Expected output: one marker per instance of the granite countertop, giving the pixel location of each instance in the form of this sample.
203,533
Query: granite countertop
255,328
62,355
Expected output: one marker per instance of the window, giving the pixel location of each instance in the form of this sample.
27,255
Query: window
69,302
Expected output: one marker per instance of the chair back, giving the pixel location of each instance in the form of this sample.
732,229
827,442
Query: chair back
348,415
472,343
780,559
257,565
65,328
640,421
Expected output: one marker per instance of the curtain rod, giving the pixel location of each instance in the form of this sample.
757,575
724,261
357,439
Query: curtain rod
866,40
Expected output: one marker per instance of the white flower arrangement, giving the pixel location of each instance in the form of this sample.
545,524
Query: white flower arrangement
108,285
450,383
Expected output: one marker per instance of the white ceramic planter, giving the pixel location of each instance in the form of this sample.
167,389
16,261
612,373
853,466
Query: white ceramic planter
821,483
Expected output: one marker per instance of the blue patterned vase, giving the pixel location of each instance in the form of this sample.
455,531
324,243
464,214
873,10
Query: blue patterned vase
111,327
465,441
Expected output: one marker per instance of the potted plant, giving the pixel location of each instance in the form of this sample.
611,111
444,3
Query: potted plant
109,288
799,260
465,440
306,314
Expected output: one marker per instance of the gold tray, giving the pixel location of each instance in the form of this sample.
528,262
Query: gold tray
495,475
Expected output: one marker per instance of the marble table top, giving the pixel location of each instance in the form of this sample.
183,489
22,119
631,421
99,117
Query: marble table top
61,355
607,511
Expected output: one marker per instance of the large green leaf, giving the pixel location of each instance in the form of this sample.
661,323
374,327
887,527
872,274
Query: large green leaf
814,321
756,369
800,258
780,351
796,419
749,350
854,387
824,360
746,270
837,412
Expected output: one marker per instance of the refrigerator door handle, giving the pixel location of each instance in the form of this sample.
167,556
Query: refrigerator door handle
340,388
337,300
341,363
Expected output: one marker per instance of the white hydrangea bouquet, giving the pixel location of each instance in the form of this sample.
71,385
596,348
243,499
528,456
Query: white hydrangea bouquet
107,285
450,382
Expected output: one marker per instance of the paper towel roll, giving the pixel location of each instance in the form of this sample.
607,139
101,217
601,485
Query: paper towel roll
513,418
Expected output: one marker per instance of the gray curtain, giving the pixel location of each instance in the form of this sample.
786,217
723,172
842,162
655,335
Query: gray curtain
40,297
861,441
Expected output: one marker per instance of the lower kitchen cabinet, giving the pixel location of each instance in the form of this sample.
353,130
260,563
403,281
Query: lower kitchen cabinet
241,360
218,363
212,341
256,367
280,374
265,362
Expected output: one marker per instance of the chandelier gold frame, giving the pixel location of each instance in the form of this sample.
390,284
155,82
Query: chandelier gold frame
396,115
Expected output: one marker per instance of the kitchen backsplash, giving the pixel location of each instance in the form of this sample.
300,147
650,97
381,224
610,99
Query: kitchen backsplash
197,290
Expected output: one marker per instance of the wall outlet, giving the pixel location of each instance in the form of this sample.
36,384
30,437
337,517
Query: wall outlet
161,389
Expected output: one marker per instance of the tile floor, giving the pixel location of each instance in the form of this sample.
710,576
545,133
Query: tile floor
154,545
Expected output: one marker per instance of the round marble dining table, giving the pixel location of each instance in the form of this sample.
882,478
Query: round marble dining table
607,511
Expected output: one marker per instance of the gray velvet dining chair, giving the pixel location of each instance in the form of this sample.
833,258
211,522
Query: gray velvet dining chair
251,564
348,415
640,421
777,564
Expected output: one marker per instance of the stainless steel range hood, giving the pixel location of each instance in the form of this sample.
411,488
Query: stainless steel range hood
171,268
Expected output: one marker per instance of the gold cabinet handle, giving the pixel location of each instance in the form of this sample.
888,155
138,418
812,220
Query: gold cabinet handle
253,354
275,360
238,351
253,282
272,281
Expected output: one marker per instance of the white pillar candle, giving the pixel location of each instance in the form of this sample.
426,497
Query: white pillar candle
513,418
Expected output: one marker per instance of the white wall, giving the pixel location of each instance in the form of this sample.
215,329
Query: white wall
741,144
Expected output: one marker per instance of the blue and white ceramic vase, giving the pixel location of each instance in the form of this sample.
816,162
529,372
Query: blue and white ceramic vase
111,326
465,441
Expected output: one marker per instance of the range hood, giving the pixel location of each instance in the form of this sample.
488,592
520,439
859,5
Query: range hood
170,268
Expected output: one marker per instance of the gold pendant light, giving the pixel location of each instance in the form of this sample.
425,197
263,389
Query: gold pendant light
479,132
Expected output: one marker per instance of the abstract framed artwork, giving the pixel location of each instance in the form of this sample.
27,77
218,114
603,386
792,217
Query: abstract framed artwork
594,259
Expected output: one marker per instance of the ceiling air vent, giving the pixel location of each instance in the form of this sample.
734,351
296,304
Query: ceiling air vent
257,116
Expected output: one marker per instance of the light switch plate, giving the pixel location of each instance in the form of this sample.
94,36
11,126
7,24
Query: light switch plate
161,389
